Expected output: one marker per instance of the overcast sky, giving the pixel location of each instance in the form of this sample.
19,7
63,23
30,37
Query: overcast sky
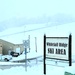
35,8
29,9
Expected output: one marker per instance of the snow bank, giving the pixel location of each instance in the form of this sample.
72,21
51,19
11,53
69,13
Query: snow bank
10,63
34,70
31,55
37,69
70,69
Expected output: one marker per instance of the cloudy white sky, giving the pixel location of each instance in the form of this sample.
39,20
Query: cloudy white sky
35,8
15,11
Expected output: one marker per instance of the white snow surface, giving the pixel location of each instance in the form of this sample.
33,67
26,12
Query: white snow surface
37,69
56,31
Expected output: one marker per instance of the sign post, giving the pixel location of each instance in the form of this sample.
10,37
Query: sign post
26,59
26,44
70,51
44,54
58,48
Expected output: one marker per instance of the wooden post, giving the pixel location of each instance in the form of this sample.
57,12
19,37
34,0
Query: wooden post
70,50
44,64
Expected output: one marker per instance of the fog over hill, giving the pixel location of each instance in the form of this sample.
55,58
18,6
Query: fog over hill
56,19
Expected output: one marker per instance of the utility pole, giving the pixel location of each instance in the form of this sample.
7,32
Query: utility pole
35,44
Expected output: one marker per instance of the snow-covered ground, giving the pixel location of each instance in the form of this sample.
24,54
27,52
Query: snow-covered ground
14,68
38,31
30,55
38,69
33,68
19,69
